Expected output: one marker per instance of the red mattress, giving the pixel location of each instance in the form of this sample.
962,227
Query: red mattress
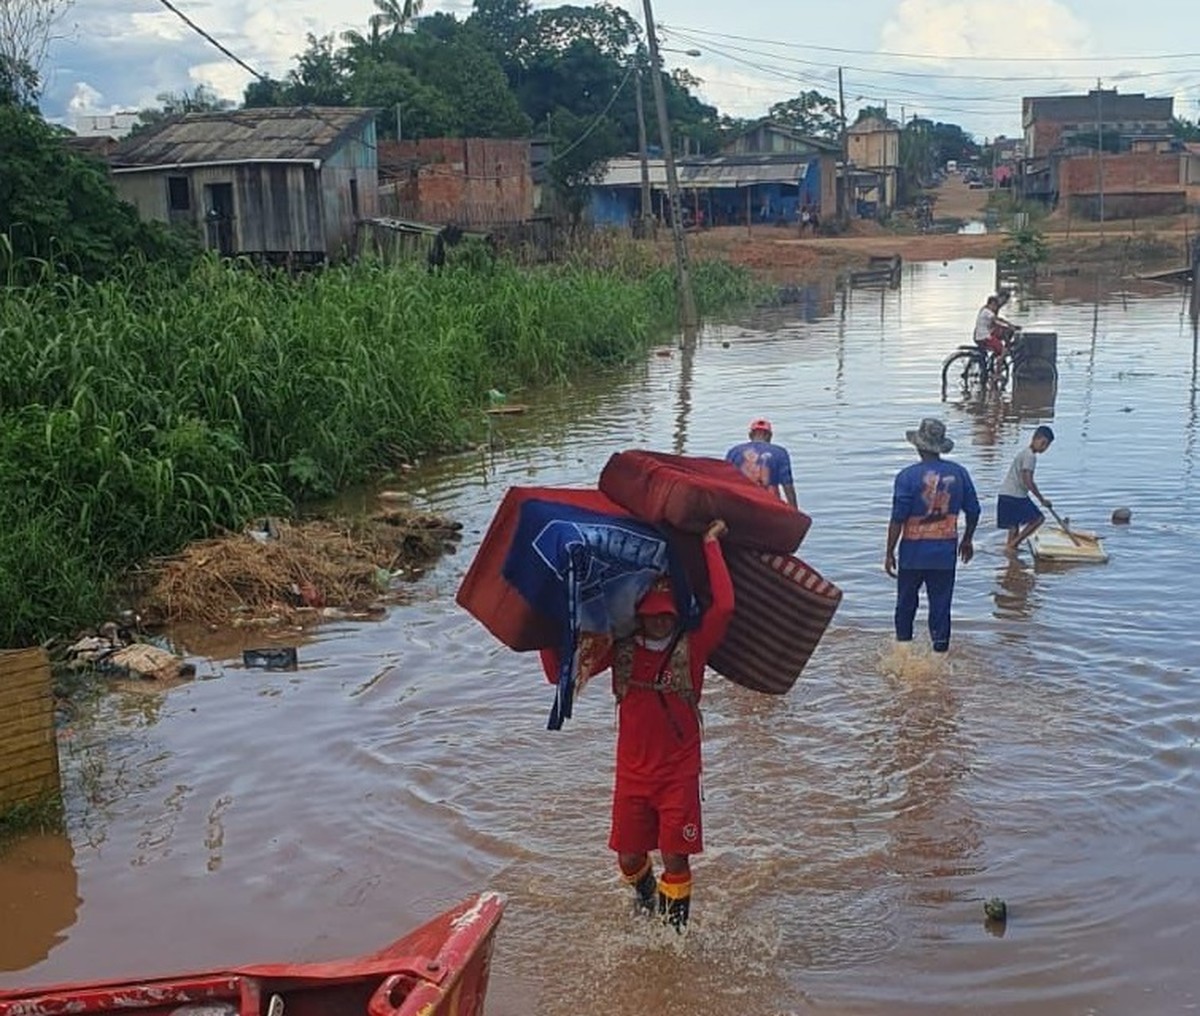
485,592
781,608
688,492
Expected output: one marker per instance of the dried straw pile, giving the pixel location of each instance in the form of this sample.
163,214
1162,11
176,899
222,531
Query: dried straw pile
305,566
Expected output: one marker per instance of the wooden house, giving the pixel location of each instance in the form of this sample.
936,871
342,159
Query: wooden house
280,184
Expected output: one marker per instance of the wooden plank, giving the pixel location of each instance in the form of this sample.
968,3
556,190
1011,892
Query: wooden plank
13,727
28,745
33,740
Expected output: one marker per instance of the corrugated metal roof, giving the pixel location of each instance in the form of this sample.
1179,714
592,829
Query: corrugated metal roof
244,135
743,170
628,173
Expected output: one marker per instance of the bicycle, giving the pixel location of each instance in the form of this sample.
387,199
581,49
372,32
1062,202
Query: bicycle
975,367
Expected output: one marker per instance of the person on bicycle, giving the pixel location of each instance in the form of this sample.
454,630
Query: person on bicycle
991,330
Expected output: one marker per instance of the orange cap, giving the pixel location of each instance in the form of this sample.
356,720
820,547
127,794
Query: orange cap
761,424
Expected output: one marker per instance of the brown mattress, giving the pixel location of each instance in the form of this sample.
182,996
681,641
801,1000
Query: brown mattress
781,609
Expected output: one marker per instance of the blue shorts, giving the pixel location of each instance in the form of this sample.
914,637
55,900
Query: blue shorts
1014,512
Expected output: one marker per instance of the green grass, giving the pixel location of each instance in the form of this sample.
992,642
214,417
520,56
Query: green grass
140,412
44,815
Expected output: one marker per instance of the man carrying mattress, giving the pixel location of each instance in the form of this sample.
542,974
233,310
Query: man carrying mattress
657,678
926,501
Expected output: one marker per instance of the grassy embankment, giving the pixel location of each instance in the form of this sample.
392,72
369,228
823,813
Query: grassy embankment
139,413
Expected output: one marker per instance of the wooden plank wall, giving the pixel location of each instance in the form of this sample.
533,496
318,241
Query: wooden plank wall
28,748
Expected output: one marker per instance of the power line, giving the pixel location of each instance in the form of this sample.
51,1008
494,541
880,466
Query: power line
374,147
689,37
200,31
939,56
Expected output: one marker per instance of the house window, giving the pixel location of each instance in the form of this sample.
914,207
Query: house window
179,194
354,198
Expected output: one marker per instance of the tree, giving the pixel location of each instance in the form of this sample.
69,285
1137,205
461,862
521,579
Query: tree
202,100
871,113
580,158
60,208
26,31
809,113
1184,129
393,16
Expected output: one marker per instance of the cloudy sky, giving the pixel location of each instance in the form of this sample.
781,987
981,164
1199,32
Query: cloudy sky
965,61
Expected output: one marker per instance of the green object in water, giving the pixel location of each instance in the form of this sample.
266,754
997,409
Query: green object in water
996,909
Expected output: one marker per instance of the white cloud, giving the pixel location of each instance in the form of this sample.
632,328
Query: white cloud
85,99
965,28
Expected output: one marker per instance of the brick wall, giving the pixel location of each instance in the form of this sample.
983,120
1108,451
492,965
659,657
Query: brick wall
28,749
1128,172
469,181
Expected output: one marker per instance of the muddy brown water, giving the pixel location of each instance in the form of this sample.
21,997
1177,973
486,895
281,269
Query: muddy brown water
854,826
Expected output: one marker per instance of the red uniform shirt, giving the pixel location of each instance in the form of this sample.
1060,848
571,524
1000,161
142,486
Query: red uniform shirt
659,733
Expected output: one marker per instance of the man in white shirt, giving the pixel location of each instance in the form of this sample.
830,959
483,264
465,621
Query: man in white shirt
989,327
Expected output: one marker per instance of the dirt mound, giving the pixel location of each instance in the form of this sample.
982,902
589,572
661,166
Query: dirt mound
295,572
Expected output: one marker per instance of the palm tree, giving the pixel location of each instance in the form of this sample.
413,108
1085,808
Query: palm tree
369,44
394,15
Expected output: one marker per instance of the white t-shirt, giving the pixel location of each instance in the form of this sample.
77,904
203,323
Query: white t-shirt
1013,485
984,323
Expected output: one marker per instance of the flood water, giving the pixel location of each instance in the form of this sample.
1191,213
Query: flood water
854,826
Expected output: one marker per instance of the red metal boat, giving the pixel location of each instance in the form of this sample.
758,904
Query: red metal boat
441,969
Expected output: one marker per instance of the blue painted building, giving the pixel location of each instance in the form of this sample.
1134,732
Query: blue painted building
768,174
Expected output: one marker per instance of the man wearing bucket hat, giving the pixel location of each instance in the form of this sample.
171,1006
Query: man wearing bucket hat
767,464
927,498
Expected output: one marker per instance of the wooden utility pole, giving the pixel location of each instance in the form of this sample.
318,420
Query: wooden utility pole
647,211
842,196
1100,155
687,299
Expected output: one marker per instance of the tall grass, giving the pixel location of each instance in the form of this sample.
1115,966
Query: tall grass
140,412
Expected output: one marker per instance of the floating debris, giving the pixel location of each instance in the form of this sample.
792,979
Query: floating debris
297,575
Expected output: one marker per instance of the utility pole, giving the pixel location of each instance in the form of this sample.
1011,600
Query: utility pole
841,194
647,209
1100,155
687,299
399,131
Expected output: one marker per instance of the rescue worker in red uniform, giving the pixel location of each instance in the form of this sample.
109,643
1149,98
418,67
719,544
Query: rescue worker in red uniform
657,678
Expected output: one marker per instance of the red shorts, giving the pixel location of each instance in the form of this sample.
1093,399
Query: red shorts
994,343
664,815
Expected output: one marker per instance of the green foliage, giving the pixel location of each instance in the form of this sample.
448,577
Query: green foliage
43,815
202,99
809,113
60,209
1184,129
1024,249
141,411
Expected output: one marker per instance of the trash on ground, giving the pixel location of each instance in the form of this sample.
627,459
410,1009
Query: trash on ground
150,662
274,658
299,573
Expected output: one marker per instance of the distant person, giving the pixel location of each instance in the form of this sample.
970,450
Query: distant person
991,329
926,501
1015,510
767,464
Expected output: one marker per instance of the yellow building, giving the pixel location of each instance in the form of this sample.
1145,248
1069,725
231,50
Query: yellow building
874,144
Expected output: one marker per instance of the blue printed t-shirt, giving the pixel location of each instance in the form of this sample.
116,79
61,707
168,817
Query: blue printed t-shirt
768,465
926,500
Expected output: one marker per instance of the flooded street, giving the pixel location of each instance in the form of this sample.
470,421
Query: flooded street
854,827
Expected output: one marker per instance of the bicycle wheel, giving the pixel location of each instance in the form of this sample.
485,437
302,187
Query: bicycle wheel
965,368
1036,370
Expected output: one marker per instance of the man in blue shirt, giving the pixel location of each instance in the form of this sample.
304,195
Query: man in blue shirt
926,501
767,464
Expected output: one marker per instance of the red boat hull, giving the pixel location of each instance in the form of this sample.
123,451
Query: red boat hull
440,969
